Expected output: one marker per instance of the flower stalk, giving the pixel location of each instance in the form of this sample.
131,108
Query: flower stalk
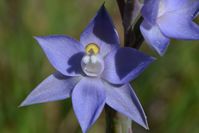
110,119
115,122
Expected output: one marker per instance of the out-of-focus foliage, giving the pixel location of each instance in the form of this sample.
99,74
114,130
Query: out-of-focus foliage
168,89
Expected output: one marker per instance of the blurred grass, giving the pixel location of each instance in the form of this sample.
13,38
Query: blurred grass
168,89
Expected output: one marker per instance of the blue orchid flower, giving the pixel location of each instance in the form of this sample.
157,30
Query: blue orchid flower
93,72
165,19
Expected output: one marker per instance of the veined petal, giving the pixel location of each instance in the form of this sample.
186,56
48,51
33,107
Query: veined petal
55,87
124,64
63,52
88,98
154,38
173,5
150,10
101,31
124,100
178,24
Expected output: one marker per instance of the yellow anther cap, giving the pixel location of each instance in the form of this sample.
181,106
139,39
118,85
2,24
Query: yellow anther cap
92,48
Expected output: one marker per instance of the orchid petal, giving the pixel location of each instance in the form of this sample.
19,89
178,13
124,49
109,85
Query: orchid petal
63,52
150,10
124,64
55,87
173,5
101,31
88,98
154,38
124,100
178,24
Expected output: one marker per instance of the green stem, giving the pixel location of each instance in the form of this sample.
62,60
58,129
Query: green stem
124,124
110,120
117,123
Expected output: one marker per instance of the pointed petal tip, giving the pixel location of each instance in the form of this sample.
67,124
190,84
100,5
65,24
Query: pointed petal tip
84,130
102,9
23,104
143,123
146,126
103,6
161,52
125,101
152,59
37,37
19,106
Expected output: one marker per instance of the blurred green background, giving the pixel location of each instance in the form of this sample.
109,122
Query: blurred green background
168,89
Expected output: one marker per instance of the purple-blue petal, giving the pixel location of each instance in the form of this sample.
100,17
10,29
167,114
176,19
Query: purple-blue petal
88,98
55,87
154,37
150,10
63,52
124,64
124,100
178,24
153,9
173,5
101,31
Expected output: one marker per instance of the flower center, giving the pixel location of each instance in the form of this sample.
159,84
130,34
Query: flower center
92,65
